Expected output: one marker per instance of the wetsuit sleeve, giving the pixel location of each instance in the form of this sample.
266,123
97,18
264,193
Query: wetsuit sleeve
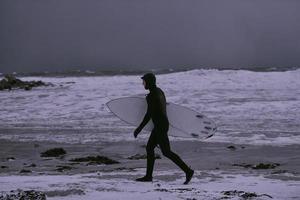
146,119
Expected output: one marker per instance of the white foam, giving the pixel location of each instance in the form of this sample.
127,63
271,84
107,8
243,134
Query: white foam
236,99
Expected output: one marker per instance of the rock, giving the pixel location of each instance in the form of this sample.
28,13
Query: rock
23,171
140,156
95,160
266,166
22,195
27,87
279,172
10,81
70,82
63,193
63,168
4,85
231,147
232,193
32,165
244,195
4,167
258,166
162,190
53,152
243,165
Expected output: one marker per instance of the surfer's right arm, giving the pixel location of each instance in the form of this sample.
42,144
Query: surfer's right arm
146,119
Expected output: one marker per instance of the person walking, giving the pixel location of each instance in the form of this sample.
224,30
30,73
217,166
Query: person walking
156,111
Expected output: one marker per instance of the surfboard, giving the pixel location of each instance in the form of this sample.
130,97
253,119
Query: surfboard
184,122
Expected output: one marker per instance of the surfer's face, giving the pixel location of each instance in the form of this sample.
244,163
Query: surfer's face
144,83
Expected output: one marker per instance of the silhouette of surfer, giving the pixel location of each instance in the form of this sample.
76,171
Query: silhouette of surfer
156,111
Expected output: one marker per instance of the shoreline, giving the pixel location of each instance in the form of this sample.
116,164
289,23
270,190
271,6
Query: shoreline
222,171
199,155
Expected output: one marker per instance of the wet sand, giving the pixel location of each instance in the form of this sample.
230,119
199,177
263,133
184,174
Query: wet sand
199,155
23,159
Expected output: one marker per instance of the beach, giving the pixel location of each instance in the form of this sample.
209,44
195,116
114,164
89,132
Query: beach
218,168
253,155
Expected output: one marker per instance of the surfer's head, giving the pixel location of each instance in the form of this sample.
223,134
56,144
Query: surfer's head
149,80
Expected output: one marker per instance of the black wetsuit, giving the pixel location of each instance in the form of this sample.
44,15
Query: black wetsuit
159,136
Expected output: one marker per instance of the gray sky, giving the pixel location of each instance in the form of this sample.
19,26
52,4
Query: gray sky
53,35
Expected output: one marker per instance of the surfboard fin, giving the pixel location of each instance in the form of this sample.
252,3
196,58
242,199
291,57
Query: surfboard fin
194,135
209,136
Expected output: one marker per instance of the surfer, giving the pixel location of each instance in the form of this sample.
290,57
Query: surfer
156,111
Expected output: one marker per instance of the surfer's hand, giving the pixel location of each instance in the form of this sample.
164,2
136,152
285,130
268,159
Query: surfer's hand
136,132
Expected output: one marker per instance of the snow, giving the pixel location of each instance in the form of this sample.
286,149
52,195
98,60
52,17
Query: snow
121,185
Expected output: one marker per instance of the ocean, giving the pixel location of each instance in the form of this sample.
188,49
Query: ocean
259,107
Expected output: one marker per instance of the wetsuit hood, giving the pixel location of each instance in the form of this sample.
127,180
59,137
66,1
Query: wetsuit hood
150,80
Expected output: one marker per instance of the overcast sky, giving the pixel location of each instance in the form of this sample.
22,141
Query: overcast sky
50,35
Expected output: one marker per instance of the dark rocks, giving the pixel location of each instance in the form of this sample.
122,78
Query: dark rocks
248,195
242,194
32,165
243,165
63,193
95,160
140,156
25,171
23,195
53,152
27,87
258,166
161,190
231,147
124,168
266,166
63,168
9,82
3,167
279,172
179,190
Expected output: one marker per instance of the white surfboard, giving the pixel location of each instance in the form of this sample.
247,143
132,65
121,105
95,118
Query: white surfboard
184,122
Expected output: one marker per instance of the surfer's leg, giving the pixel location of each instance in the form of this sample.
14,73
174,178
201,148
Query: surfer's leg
166,151
150,159
150,154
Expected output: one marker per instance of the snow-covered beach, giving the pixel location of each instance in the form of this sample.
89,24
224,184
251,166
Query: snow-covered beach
220,171
257,114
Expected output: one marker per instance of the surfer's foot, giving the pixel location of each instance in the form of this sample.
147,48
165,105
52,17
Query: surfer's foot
188,176
144,179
